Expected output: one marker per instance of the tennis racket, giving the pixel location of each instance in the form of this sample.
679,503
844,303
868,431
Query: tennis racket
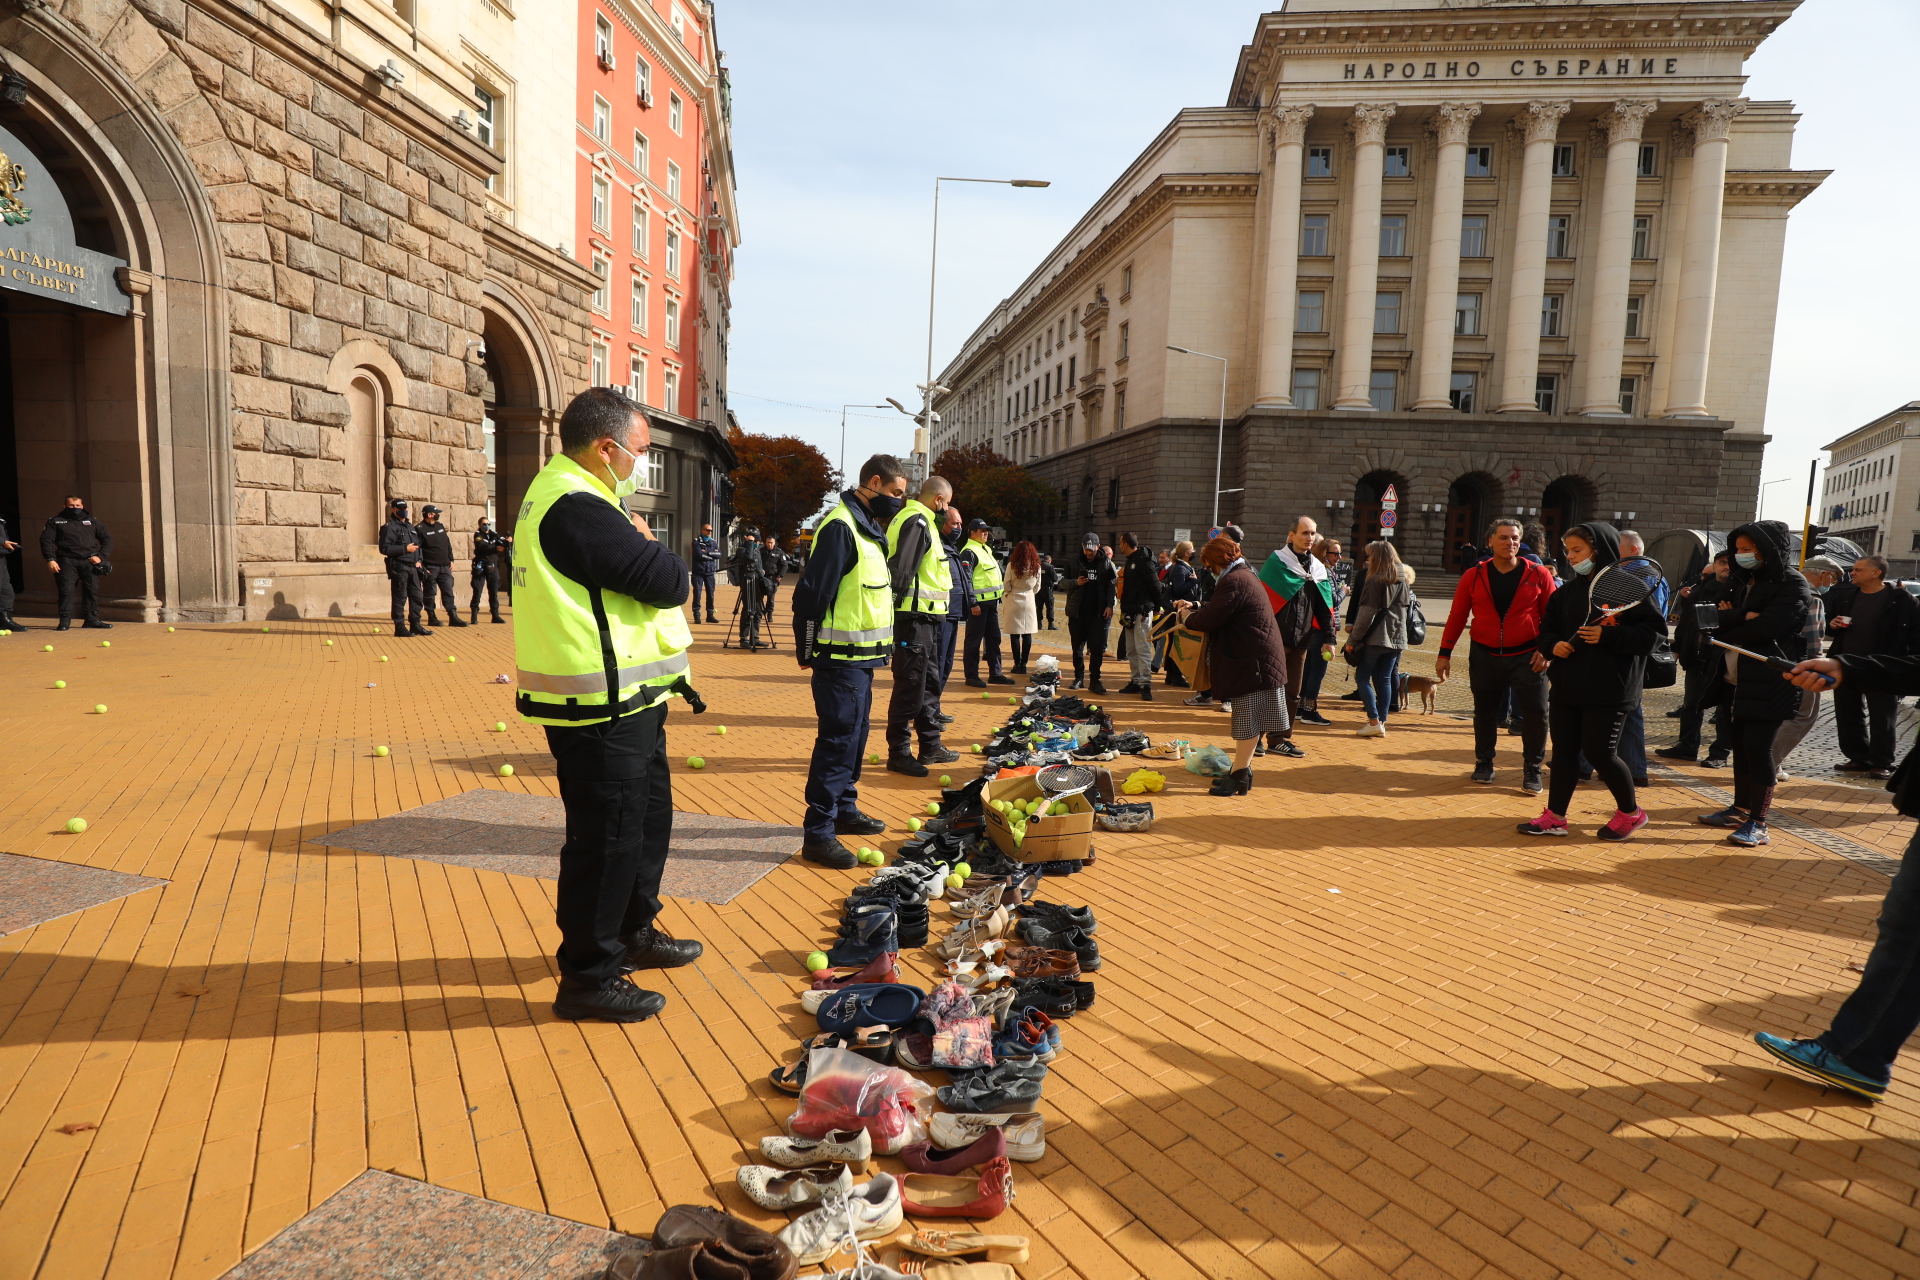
1615,591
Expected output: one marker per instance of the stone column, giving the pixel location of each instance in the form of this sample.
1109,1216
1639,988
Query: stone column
1287,135
1538,124
1606,337
1711,121
1354,370
1450,125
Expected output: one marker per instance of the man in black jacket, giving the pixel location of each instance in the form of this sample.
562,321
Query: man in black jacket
960,604
1139,601
706,559
401,546
1089,610
490,548
1869,619
7,548
749,572
74,544
1043,594
436,566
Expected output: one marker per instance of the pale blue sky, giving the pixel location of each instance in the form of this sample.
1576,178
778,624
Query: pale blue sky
841,125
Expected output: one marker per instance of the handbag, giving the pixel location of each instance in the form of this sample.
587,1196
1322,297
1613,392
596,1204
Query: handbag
1187,649
1663,669
1416,621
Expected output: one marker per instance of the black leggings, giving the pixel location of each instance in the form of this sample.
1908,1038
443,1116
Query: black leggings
1595,733
1022,646
1754,771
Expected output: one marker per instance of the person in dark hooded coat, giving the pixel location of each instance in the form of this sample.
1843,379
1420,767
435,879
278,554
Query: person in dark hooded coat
1765,611
1595,670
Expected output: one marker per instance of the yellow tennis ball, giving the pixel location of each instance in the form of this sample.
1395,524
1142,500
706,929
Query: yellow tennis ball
816,961
913,824
46,648
59,684
506,771
499,726
263,628
451,658
106,644
933,810
720,729
946,779
383,657
985,696
327,643
76,825
696,762
976,748
380,751
100,709
873,757
169,630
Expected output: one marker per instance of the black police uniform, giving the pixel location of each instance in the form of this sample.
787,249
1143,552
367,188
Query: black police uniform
983,628
403,574
706,560
436,570
6,583
750,575
959,607
490,547
774,560
72,538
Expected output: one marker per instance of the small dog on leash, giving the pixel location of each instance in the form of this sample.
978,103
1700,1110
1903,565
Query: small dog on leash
1422,687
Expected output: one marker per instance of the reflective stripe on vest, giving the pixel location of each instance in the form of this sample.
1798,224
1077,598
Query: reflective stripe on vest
570,639
987,584
859,623
932,578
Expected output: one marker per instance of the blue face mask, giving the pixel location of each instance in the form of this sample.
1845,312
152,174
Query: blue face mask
1820,591
1584,568
1747,560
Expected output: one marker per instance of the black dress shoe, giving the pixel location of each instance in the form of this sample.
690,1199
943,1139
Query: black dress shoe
1096,686
616,1001
907,765
972,683
418,630
1675,753
453,621
943,717
828,853
858,824
498,618
66,624
9,623
655,949
938,755
997,679
94,624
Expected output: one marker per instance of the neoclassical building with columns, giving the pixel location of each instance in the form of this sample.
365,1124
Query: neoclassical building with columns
1504,257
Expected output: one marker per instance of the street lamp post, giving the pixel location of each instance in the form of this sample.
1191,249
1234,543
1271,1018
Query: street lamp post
1220,440
929,387
843,432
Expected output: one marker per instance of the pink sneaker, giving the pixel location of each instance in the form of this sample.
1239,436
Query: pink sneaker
1548,823
1623,825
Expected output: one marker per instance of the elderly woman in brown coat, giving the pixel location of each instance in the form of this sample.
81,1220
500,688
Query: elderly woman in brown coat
1249,664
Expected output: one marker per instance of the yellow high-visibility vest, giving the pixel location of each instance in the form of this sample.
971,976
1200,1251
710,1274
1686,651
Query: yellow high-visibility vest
932,579
987,584
859,624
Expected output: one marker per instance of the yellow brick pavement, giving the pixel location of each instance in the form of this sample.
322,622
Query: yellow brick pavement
1480,1057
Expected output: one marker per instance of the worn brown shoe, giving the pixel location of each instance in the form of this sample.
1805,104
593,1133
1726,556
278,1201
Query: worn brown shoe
1041,962
762,1254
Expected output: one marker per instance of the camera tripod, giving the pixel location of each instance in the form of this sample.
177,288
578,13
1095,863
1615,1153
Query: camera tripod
745,624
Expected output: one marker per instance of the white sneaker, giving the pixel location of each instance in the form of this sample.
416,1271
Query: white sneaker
792,1188
1371,731
1026,1131
870,1212
843,1146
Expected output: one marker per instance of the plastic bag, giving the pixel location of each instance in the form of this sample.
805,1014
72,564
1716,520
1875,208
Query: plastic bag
847,1091
1210,762
960,1038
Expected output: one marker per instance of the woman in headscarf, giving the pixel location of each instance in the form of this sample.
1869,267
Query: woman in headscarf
1249,664
1596,664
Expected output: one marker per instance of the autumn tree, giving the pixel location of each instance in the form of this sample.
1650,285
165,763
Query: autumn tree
780,482
960,462
1009,496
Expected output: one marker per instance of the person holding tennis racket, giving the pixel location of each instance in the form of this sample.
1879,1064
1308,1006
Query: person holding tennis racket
1594,641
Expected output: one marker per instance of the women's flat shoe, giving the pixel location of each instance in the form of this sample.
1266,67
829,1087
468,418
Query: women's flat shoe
890,1005
793,1188
879,969
923,1157
958,1244
927,1195
1026,1131
841,1146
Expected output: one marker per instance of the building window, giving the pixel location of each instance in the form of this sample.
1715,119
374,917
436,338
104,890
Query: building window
640,230
1113,489
1479,162
1630,396
603,41
673,323
1460,391
1393,235
641,152
1120,411
602,118
1397,162
675,109
597,370
1306,388
1125,341
1643,237
487,124
1563,160
1636,315
639,305
642,81
602,265
1473,236
670,390
1319,162
673,182
1313,235
602,197
673,254
1312,314
1552,307
1560,236
655,476
1383,390
1126,280
1546,392
1386,313
1649,161
1466,314
637,377
1073,370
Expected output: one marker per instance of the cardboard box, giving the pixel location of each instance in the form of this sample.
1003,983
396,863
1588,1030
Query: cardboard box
1065,838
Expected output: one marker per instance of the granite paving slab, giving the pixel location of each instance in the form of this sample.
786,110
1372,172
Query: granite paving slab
712,859
382,1226
36,890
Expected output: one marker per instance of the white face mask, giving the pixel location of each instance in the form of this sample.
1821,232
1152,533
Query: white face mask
631,484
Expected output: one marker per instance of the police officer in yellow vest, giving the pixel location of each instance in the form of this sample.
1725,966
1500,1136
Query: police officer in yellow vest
601,643
922,583
983,620
842,630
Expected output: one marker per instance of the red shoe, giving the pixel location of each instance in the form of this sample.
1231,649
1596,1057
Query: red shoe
878,969
1623,825
921,1157
929,1196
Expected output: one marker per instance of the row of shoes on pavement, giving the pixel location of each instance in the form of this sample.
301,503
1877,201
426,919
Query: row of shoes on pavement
698,1242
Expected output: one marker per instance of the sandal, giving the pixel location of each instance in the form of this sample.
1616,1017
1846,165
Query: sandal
954,1244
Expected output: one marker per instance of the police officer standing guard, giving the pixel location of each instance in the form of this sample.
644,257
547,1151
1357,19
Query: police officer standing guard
75,545
842,629
601,644
7,548
922,582
489,547
983,620
398,544
436,566
706,559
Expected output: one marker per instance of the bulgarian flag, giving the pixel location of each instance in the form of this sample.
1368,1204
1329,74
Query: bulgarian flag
1283,581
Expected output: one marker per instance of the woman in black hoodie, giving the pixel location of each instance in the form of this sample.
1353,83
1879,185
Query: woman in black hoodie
1765,611
1595,668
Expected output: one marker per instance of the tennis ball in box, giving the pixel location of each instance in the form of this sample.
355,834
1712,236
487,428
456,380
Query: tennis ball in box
506,771
1060,809
59,684
76,825
956,881
963,869
696,762
380,751
816,961
913,824
933,810
999,806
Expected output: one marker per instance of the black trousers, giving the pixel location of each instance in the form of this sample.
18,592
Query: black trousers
1595,733
440,577
1089,636
1863,720
1043,608
407,594
949,646
702,580
1881,1014
842,703
6,588
916,683
1754,771
487,576
79,572
983,632
1702,695
1492,678
619,800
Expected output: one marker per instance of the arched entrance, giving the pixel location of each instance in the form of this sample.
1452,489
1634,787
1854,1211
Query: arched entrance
520,403
1367,493
1567,502
1472,500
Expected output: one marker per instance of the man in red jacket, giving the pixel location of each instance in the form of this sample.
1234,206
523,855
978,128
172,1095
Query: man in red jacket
1507,597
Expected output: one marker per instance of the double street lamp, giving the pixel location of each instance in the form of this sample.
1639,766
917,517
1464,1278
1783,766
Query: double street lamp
1220,441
